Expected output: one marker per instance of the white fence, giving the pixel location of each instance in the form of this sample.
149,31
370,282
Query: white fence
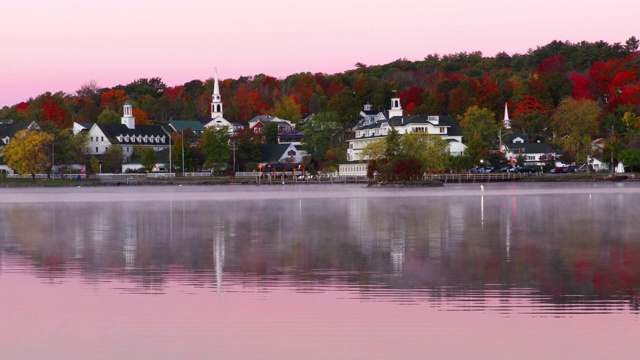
52,176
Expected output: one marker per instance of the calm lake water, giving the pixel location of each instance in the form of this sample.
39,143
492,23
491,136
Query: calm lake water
507,271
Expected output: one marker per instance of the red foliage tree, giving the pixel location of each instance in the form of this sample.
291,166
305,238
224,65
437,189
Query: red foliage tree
539,90
413,96
22,107
111,99
530,105
488,95
173,93
459,102
55,113
583,87
552,64
604,72
407,169
142,118
246,102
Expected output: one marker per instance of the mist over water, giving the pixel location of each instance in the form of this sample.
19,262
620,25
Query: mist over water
339,269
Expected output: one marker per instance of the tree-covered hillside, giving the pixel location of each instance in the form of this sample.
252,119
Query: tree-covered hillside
532,84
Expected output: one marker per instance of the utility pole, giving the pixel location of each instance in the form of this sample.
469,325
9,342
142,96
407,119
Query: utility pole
611,148
233,147
182,152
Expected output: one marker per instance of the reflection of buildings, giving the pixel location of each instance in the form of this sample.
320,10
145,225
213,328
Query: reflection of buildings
129,239
424,242
218,251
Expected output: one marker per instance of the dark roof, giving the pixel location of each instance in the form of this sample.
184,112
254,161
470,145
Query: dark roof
273,152
512,136
531,148
205,120
179,125
297,134
454,125
86,125
396,121
372,112
262,118
10,127
112,131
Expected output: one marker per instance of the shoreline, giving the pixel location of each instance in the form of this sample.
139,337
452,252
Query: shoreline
218,181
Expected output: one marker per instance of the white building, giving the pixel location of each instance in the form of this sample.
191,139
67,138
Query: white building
534,153
375,125
127,135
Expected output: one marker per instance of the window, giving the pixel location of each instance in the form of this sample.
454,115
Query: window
96,149
443,130
101,138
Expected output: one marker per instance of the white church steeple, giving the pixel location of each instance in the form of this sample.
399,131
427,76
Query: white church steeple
506,122
216,100
127,116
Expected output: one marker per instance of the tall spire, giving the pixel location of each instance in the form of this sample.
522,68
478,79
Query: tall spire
216,87
506,121
216,100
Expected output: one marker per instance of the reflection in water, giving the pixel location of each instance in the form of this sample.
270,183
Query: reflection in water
320,272
559,253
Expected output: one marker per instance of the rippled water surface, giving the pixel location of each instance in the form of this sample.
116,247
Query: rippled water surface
522,271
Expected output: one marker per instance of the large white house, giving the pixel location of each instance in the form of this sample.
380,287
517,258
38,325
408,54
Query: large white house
126,134
376,125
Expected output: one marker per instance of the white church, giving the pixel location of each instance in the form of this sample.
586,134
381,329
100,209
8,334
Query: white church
217,118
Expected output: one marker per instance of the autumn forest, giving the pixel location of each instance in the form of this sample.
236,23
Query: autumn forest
532,84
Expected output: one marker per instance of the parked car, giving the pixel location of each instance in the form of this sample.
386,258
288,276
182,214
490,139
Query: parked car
558,170
486,169
524,169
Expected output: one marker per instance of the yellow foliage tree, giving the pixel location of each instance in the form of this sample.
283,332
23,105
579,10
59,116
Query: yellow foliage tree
28,152
430,150
288,109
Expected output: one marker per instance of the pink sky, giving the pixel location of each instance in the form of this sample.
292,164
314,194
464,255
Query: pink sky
60,45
